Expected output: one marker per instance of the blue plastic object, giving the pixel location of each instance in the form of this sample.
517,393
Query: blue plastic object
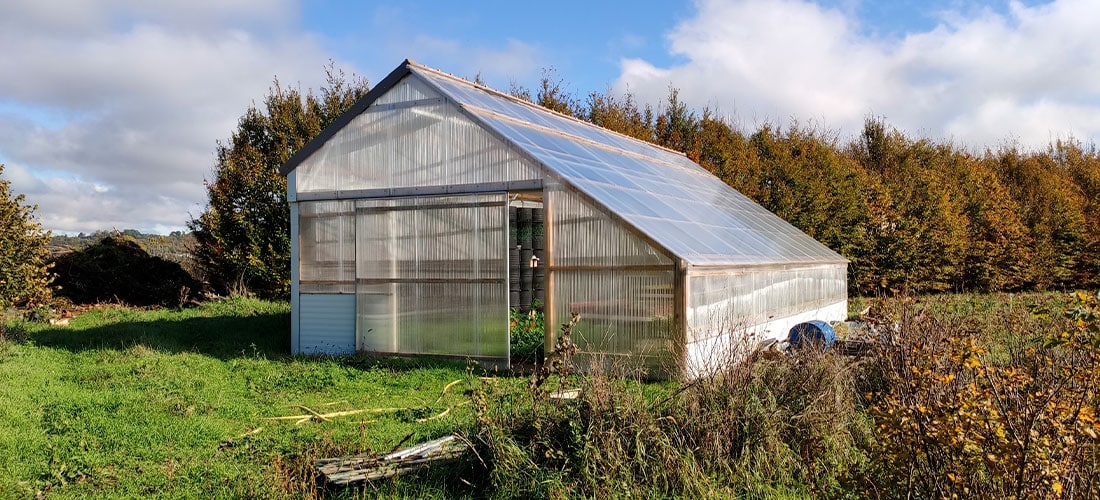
812,333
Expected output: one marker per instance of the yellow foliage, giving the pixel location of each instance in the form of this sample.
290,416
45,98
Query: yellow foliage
951,421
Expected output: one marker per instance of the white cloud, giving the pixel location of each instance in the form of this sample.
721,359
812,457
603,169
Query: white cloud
110,110
979,77
115,107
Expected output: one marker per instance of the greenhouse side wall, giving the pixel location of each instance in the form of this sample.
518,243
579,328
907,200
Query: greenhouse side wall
622,288
730,310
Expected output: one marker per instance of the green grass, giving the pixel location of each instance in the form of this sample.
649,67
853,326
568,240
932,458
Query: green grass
126,403
177,403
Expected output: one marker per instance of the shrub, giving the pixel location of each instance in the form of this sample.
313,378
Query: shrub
768,425
24,247
117,268
954,420
15,332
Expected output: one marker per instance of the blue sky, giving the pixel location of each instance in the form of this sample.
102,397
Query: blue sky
110,110
510,41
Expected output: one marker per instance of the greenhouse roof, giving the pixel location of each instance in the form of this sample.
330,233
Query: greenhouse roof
660,193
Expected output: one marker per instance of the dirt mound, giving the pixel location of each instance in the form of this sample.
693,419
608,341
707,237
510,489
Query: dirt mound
118,269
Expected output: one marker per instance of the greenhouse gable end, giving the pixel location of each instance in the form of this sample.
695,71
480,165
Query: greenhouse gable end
434,206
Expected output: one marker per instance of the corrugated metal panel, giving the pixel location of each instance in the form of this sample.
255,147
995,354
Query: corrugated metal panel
327,323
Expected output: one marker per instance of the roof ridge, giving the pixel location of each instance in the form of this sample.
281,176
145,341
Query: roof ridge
525,102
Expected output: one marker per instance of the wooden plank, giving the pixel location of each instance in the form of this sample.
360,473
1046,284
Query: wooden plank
347,471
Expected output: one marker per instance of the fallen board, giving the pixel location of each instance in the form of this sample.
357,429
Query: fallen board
346,471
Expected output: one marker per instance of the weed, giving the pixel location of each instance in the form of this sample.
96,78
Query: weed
762,426
527,331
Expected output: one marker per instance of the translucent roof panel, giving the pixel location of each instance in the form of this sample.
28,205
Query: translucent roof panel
424,127
661,193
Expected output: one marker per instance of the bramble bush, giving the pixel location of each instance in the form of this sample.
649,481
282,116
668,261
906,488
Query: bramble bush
769,425
999,408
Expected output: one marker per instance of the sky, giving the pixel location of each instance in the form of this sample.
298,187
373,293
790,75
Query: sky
111,110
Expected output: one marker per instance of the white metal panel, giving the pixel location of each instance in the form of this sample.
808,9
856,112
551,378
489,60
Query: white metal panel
707,355
327,323
295,276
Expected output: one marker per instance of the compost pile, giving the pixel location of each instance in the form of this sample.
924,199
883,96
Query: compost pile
118,269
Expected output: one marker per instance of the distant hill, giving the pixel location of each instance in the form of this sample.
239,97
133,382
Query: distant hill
175,247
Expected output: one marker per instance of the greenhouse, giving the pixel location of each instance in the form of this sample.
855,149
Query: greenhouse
435,206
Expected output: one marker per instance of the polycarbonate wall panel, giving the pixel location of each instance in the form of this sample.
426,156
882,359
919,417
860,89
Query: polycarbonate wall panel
326,239
663,194
427,144
627,316
466,93
432,275
620,285
586,236
408,89
739,299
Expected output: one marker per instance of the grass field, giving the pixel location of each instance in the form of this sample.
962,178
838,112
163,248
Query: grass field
131,403
974,393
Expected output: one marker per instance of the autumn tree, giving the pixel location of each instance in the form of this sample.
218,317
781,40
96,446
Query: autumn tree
24,248
919,231
1081,163
550,94
677,127
1052,206
910,214
243,236
620,114
998,244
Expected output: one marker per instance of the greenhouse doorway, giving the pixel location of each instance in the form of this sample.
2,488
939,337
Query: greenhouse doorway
526,252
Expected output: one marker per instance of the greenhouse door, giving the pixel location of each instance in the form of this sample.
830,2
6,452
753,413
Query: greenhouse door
431,276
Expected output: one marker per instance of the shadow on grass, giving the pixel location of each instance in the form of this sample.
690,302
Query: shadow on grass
257,335
222,337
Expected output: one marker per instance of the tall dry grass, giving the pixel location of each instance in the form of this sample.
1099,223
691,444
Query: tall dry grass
766,425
